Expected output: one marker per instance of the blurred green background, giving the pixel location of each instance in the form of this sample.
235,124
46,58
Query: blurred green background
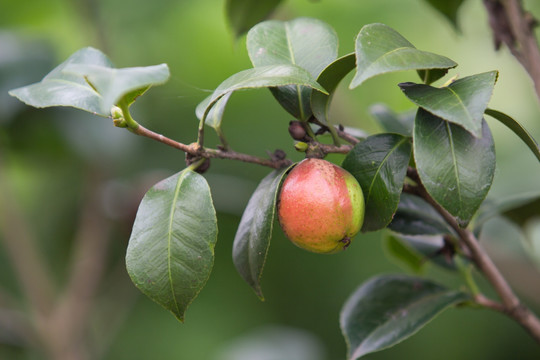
55,162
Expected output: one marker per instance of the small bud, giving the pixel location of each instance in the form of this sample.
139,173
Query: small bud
297,131
117,113
301,146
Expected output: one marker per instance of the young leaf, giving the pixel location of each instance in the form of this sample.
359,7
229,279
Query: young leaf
455,167
243,14
171,250
380,50
87,81
387,309
120,85
414,216
308,43
65,89
329,78
463,102
261,77
379,163
253,236
392,122
517,129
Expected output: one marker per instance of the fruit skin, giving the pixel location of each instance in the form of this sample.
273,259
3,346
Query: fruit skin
321,206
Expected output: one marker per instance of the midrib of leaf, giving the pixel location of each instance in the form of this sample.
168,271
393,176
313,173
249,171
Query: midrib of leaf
454,161
398,312
386,54
91,89
169,237
379,167
293,60
469,117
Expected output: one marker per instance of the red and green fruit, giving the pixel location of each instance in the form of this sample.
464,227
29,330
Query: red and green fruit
321,206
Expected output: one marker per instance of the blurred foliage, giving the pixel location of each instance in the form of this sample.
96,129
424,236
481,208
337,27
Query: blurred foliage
50,157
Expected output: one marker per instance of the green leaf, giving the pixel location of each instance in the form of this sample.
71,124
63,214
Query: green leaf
380,50
429,76
308,43
518,208
404,253
448,8
519,130
329,78
388,309
243,14
392,122
260,77
379,163
455,167
252,239
414,216
463,102
120,85
88,81
171,250
430,248
66,89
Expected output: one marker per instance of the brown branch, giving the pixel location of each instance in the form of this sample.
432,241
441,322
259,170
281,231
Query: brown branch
514,27
511,305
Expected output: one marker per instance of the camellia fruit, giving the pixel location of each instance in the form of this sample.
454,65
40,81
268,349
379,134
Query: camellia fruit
321,206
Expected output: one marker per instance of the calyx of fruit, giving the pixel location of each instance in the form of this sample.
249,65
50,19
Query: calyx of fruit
321,206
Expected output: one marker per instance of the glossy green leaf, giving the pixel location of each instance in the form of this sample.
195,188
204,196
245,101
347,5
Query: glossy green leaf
463,102
448,8
308,43
261,77
455,167
403,253
387,309
431,248
252,239
243,14
88,81
66,89
380,50
519,130
329,78
171,250
392,122
414,216
379,163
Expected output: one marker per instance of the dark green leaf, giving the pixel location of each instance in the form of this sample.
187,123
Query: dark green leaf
379,163
463,102
329,79
88,81
380,50
171,250
455,167
252,239
388,309
308,43
392,122
517,208
431,248
260,77
414,216
66,89
431,75
405,254
517,129
448,8
243,14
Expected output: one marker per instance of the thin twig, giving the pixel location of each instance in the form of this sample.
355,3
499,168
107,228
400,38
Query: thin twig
510,302
514,27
